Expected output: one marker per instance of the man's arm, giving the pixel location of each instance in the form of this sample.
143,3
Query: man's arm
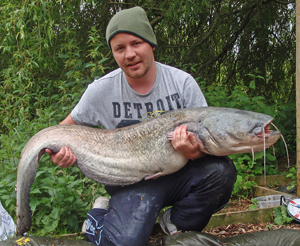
186,144
68,121
64,157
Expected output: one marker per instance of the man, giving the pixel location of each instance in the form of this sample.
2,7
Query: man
141,86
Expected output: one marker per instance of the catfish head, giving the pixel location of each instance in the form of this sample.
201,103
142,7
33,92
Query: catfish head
225,131
230,131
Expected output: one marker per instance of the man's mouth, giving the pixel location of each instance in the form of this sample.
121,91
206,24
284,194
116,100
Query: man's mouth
133,64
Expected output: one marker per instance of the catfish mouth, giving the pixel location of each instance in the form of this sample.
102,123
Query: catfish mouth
265,131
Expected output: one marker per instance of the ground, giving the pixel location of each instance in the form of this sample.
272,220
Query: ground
243,204
239,229
236,205
234,230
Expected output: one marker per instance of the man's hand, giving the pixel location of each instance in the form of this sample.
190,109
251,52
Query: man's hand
186,144
63,158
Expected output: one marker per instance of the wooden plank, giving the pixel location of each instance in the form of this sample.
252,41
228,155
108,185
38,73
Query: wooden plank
244,217
264,191
271,179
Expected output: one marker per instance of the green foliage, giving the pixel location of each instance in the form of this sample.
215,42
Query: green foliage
46,56
60,199
242,187
281,216
270,226
227,41
254,205
292,173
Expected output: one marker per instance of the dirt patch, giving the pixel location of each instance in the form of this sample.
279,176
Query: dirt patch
240,229
237,229
236,205
233,230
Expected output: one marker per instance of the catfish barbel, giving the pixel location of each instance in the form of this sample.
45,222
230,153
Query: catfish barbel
127,155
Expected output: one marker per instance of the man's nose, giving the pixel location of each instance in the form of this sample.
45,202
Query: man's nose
130,53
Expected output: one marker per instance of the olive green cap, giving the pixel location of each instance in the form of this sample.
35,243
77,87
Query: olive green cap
133,21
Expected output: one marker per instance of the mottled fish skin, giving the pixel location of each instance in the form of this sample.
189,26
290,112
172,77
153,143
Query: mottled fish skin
127,155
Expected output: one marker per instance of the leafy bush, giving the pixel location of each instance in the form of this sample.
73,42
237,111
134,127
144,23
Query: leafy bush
281,216
60,199
292,173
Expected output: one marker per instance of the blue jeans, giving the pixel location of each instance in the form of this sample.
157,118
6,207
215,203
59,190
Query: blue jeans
198,190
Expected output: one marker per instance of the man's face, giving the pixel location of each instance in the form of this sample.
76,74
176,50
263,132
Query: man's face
133,55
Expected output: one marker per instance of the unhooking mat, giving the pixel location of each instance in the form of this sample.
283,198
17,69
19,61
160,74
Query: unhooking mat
282,237
42,241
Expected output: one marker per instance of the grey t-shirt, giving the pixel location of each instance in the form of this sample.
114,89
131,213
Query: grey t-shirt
111,102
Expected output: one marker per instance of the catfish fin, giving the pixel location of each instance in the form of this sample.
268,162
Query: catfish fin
156,175
170,135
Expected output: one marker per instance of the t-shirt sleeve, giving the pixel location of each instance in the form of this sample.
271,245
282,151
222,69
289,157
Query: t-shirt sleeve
193,96
86,112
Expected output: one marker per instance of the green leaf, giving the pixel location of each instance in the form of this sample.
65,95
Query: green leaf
89,65
252,84
55,213
102,60
65,56
255,99
252,207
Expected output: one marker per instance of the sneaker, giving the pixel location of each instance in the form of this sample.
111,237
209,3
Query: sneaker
101,202
166,224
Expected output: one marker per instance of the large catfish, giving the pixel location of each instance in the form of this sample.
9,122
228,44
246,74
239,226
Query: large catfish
127,155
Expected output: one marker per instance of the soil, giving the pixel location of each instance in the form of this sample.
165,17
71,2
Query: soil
240,229
236,205
234,230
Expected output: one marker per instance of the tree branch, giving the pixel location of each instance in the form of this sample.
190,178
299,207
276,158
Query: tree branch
230,43
282,2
